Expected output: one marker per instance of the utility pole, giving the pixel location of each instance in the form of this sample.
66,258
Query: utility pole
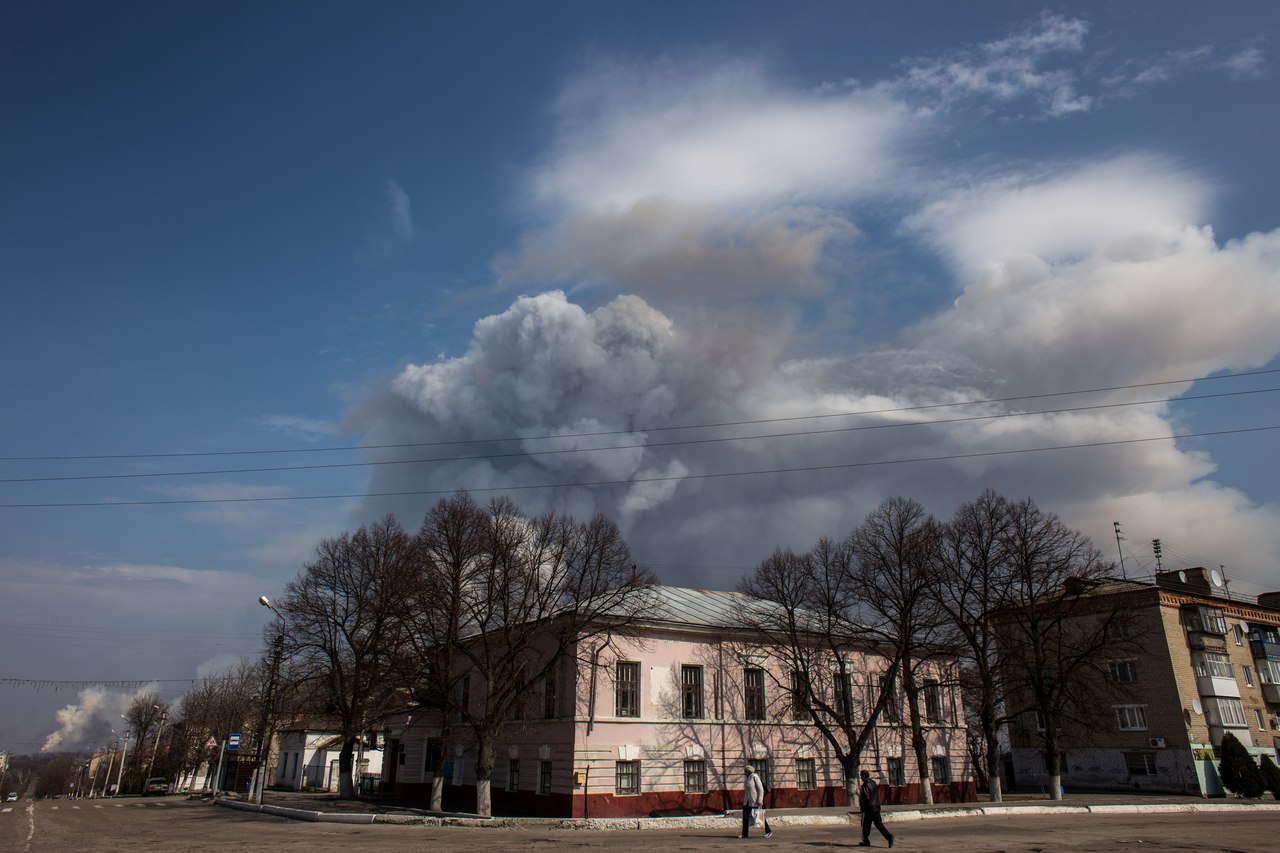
1119,537
264,737
124,754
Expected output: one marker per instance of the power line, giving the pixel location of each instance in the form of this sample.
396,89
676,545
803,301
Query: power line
647,429
645,446
629,482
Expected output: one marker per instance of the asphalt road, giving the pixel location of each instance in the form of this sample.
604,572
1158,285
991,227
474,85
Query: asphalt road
173,824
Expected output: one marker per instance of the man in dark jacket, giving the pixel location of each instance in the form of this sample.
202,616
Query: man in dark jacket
869,805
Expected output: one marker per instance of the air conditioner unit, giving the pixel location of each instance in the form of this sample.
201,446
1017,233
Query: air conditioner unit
1157,742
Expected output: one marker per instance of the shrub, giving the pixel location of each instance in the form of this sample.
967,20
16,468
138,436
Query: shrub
1239,772
1271,776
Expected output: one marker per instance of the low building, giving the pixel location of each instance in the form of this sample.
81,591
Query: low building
1203,663
664,719
307,760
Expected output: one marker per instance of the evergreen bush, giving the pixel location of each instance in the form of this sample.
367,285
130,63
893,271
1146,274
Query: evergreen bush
1240,773
1271,776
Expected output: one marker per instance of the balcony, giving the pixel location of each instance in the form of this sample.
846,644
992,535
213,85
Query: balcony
1271,693
1206,642
1264,649
1216,685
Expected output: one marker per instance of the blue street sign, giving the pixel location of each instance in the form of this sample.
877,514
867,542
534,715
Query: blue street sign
233,742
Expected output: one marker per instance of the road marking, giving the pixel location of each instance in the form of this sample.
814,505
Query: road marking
5,811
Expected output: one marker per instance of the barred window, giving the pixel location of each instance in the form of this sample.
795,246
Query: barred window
1140,763
893,769
695,776
753,690
628,689
806,774
628,778
691,692
940,769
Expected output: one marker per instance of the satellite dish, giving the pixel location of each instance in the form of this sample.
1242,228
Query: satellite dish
1216,577
1196,706
1244,626
1182,576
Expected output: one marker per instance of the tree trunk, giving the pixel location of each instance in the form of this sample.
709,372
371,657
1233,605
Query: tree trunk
850,766
346,787
991,736
484,776
918,744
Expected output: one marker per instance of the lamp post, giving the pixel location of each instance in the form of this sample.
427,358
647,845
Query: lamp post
124,753
264,745
164,715
106,783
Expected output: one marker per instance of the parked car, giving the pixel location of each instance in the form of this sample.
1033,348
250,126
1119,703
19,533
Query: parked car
156,785
12,798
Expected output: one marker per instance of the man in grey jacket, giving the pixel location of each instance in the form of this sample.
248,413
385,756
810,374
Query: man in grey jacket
752,799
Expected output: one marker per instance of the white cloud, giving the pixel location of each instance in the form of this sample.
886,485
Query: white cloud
1247,64
305,429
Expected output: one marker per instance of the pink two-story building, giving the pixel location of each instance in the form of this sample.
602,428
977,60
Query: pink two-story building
663,720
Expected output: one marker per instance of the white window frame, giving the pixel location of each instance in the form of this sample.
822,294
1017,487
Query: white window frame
1123,671
627,772
1248,676
626,694
806,774
1131,718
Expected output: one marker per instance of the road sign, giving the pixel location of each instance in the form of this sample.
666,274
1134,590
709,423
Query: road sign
211,743
233,742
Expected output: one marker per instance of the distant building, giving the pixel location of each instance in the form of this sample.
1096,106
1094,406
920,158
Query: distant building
1202,663
665,720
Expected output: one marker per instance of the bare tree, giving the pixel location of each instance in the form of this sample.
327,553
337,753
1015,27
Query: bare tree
973,583
448,553
543,588
215,708
1056,635
344,637
804,616
895,550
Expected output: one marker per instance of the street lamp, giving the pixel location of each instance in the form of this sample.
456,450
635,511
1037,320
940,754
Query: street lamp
123,754
264,746
164,715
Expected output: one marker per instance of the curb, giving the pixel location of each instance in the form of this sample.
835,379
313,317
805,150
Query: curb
730,822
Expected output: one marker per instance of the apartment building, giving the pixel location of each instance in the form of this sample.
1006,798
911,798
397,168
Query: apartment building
1203,662
664,719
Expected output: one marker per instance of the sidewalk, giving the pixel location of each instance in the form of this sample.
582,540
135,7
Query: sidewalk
328,808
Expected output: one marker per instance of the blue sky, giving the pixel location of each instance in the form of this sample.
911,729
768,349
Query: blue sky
237,228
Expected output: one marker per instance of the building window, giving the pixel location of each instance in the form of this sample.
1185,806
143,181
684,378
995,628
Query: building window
761,766
513,775
433,755
628,689
1132,718
1248,675
1116,630
1238,633
1221,711
940,770
893,769
1140,763
892,705
1213,664
464,695
844,695
544,777
753,693
1039,719
799,695
1269,671
1206,620
1262,721
933,712
695,776
691,692
628,778
549,696
806,774
1122,671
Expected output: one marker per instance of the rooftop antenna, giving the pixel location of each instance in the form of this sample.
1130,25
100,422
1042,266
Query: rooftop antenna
1226,584
1155,549
1119,537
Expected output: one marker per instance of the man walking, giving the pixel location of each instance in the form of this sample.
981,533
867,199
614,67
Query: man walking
869,805
752,799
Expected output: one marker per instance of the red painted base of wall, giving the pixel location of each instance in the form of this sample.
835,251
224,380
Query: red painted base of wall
462,798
